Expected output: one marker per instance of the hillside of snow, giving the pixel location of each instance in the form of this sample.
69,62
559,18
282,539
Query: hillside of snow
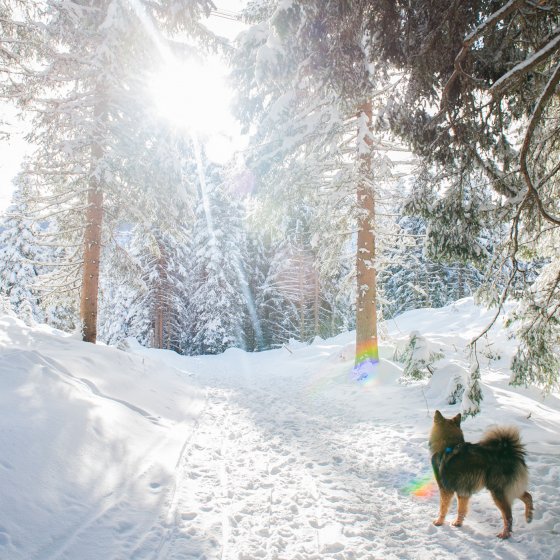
135,453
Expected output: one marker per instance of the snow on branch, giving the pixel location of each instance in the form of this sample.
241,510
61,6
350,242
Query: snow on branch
470,39
547,93
523,67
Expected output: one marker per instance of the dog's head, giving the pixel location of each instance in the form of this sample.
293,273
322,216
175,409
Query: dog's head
446,432
439,418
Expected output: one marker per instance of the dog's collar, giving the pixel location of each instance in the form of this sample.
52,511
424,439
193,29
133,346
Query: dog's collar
439,460
444,455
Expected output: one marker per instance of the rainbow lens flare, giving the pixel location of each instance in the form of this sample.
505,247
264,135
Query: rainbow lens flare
367,359
421,487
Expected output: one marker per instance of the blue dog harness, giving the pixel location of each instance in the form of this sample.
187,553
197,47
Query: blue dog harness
439,460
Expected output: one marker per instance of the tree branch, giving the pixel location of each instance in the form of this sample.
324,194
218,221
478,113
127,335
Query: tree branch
470,39
535,118
523,67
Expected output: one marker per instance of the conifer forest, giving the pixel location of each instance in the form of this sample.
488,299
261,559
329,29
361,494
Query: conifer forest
384,156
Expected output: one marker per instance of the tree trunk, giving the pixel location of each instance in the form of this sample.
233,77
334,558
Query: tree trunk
92,251
461,283
159,319
367,352
317,300
160,299
302,293
92,238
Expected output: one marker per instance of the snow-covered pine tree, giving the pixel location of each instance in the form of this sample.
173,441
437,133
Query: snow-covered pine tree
292,291
83,84
411,280
318,106
257,264
217,307
19,256
537,360
278,311
124,309
146,294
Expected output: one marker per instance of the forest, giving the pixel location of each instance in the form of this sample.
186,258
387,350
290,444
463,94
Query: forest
399,156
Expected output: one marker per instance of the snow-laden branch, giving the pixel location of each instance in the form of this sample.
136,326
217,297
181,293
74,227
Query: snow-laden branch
523,67
535,119
470,39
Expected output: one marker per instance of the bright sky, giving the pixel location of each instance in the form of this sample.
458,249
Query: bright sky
12,151
223,25
224,131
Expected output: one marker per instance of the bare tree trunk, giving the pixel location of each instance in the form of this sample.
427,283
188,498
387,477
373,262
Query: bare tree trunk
366,312
93,231
461,283
317,300
158,319
160,299
92,252
302,293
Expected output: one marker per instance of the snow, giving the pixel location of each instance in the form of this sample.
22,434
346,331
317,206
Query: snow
138,453
523,66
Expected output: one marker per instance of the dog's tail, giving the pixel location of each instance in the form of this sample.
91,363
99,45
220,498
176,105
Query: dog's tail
505,440
508,475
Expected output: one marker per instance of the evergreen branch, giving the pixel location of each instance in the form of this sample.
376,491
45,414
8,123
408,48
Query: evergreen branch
532,191
549,175
470,39
522,68
503,298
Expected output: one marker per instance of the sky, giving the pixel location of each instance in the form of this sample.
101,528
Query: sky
12,151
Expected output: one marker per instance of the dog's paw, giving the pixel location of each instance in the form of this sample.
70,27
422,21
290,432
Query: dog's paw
457,523
505,534
438,522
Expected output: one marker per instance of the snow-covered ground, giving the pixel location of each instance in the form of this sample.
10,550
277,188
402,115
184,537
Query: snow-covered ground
144,454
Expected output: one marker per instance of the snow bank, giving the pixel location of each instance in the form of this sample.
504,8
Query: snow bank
89,437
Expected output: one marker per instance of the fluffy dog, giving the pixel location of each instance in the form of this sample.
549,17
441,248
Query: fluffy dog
496,462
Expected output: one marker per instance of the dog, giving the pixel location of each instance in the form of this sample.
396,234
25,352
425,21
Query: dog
496,462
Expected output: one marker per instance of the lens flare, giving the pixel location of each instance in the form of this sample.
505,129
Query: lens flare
367,363
421,487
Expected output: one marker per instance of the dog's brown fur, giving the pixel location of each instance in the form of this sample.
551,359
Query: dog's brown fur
496,462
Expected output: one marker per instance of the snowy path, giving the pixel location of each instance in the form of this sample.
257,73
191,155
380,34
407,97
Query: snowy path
273,473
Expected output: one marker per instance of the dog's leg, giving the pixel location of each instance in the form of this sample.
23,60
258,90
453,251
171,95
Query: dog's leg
445,498
527,499
462,508
505,509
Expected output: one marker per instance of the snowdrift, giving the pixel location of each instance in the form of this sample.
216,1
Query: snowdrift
89,437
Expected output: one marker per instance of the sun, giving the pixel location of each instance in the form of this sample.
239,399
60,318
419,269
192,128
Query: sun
190,94
194,97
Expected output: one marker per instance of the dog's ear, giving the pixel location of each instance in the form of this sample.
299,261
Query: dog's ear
438,416
457,419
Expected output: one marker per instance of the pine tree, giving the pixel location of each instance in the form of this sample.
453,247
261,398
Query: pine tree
412,280
479,102
146,294
19,255
305,81
257,264
217,308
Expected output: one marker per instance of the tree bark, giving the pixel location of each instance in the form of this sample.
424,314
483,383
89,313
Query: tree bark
92,238
366,313
160,307
92,252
